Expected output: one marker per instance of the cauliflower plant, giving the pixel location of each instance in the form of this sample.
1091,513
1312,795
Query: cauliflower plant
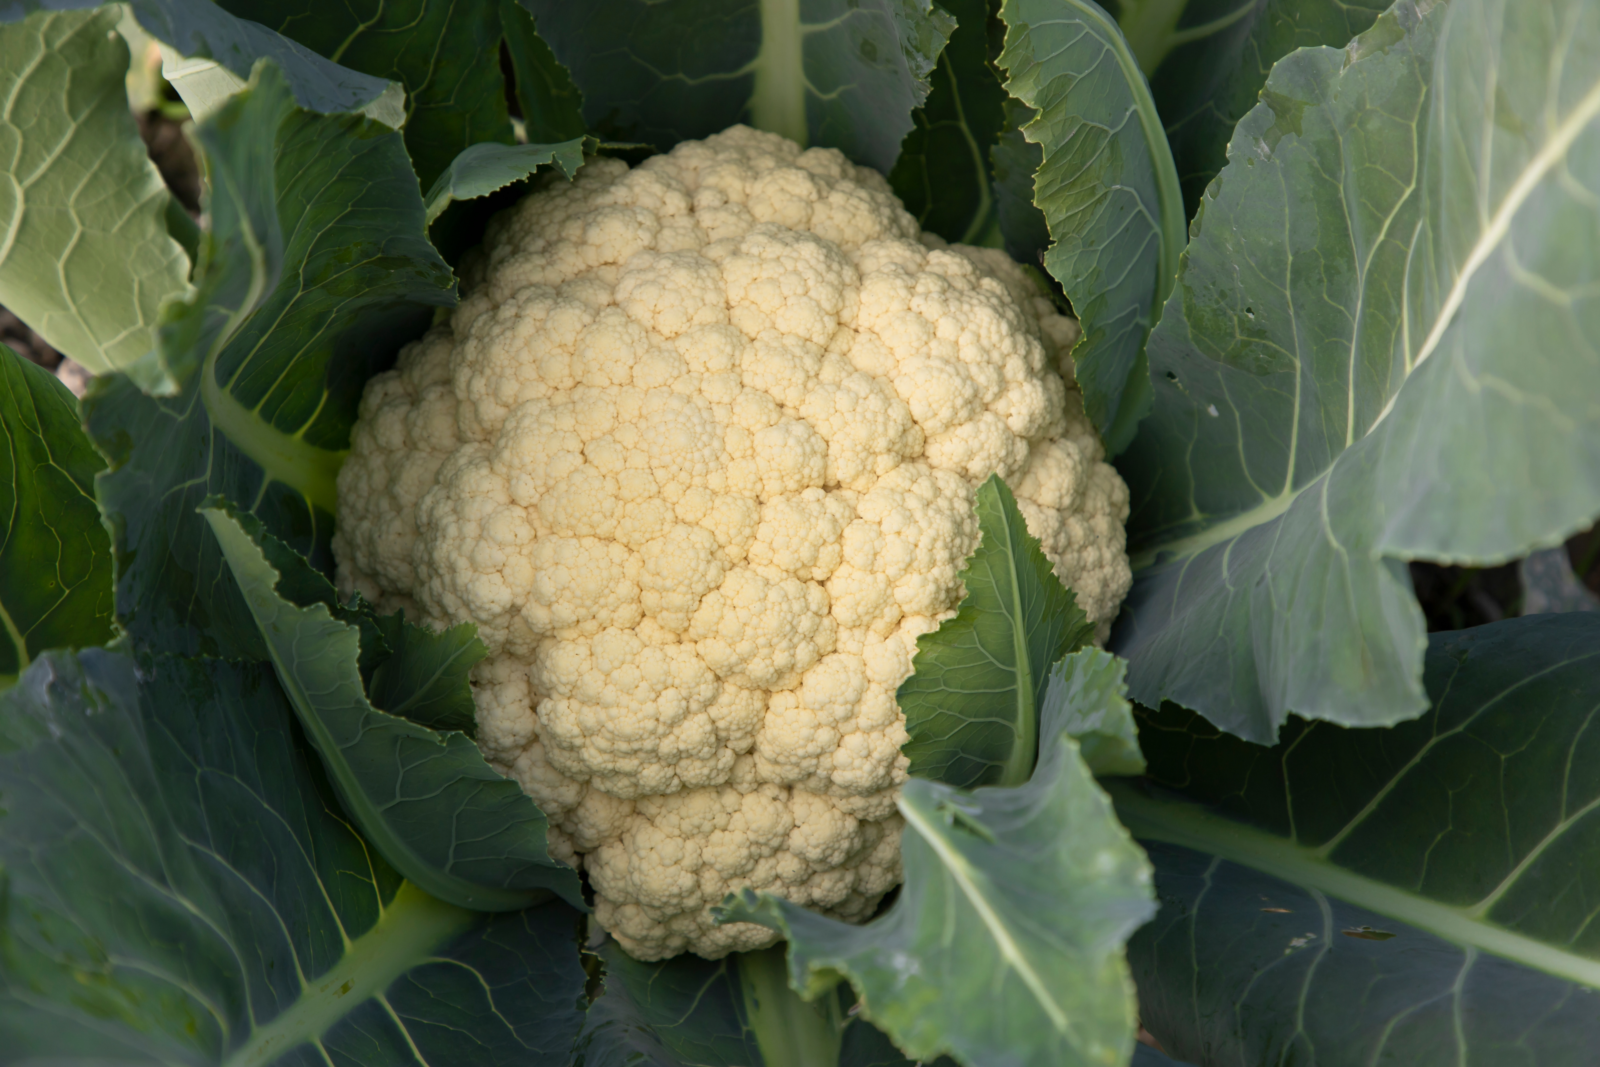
698,454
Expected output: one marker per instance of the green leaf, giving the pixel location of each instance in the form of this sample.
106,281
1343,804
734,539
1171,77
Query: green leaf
1015,160
435,49
484,168
427,801
1391,262
222,51
943,175
85,257
734,1012
972,701
841,73
1208,59
1108,189
551,106
55,557
425,677
1088,695
182,890
1005,943
314,270
1469,833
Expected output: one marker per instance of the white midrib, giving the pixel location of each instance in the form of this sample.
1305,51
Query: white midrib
1010,951
778,98
1554,150
1547,157
1192,826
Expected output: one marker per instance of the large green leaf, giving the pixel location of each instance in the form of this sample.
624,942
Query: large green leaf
1478,824
978,681
435,49
223,50
313,271
1088,695
428,801
85,257
944,175
1395,260
1208,59
841,73
734,1012
182,891
488,167
1005,943
55,557
1240,967
1107,187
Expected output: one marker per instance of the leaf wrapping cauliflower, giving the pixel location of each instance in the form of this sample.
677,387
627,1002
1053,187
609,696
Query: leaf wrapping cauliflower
698,453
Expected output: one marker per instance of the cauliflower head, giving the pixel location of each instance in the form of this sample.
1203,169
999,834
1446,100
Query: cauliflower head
698,454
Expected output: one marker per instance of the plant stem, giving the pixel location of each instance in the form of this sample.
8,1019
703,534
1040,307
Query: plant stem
789,1031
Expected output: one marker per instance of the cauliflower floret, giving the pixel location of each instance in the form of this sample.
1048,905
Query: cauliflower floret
698,454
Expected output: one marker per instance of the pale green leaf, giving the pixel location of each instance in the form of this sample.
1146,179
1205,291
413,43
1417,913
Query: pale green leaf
1108,190
1088,695
1005,944
1381,349
85,257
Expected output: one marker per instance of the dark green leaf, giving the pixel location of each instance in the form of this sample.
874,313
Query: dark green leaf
425,678
85,258
1208,59
840,73
1016,160
409,671
55,557
181,891
1392,262
427,801
552,109
1005,943
440,51
483,168
690,1012
943,173
1108,189
314,269
1241,967
201,30
1088,695
1478,824
972,701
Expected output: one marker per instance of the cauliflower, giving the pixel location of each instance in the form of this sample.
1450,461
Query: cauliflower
698,454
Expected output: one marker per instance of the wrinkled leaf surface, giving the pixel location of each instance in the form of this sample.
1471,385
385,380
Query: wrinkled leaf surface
1106,185
428,801
181,890
1471,833
1395,259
